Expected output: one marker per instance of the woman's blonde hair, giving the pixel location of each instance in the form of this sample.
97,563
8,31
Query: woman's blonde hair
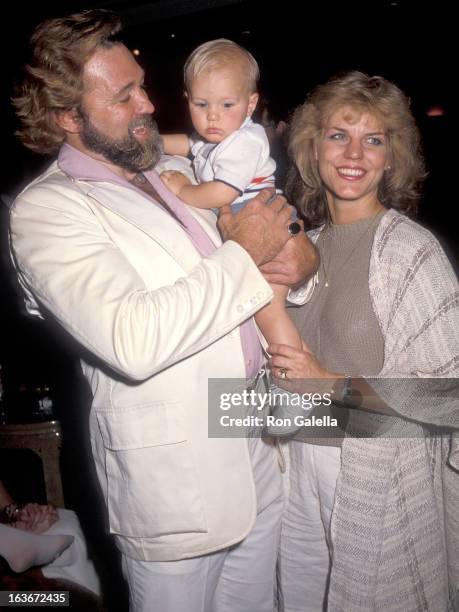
400,185
220,53
53,80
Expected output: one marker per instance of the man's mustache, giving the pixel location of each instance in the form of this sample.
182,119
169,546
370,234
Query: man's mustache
145,121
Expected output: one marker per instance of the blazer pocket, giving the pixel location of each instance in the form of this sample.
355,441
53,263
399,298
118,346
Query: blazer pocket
153,488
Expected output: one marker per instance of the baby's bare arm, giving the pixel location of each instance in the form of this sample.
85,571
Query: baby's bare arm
176,144
213,194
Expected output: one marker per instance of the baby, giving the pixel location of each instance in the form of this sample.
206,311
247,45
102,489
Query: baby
231,158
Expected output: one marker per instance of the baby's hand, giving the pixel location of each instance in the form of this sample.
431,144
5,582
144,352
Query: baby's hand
174,180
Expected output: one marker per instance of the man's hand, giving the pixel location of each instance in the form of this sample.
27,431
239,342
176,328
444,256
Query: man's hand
260,228
174,180
295,264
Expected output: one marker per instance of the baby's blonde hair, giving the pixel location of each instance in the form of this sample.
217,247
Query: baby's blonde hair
219,53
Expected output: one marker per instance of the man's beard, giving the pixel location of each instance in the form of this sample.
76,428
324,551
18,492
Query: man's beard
128,153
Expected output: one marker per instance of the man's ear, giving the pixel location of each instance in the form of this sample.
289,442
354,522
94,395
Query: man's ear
253,101
69,120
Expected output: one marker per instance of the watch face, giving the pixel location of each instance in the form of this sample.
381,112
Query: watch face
351,396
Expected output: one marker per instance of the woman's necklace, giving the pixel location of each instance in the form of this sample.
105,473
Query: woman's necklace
326,247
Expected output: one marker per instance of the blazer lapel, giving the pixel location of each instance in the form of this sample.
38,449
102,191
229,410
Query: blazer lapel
138,210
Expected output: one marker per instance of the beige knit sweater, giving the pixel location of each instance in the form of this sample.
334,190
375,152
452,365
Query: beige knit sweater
395,523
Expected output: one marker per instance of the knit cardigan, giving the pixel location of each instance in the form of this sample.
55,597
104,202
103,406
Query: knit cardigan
395,522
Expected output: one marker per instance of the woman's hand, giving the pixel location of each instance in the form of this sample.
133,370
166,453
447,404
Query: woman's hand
299,370
36,518
288,362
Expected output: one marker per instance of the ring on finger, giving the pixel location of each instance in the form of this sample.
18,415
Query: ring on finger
282,373
294,228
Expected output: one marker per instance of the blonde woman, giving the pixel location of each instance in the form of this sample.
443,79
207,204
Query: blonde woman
371,523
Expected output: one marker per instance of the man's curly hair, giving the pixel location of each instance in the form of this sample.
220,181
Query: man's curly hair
53,79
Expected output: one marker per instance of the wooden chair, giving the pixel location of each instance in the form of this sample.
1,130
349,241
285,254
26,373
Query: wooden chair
45,440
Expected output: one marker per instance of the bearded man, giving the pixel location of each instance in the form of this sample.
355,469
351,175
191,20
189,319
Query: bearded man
161,301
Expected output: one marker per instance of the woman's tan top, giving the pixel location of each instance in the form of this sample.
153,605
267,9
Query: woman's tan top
339,323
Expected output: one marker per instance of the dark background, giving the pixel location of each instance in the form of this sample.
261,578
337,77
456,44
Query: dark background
297,44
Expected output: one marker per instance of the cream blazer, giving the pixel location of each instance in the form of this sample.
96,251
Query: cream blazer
123,278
